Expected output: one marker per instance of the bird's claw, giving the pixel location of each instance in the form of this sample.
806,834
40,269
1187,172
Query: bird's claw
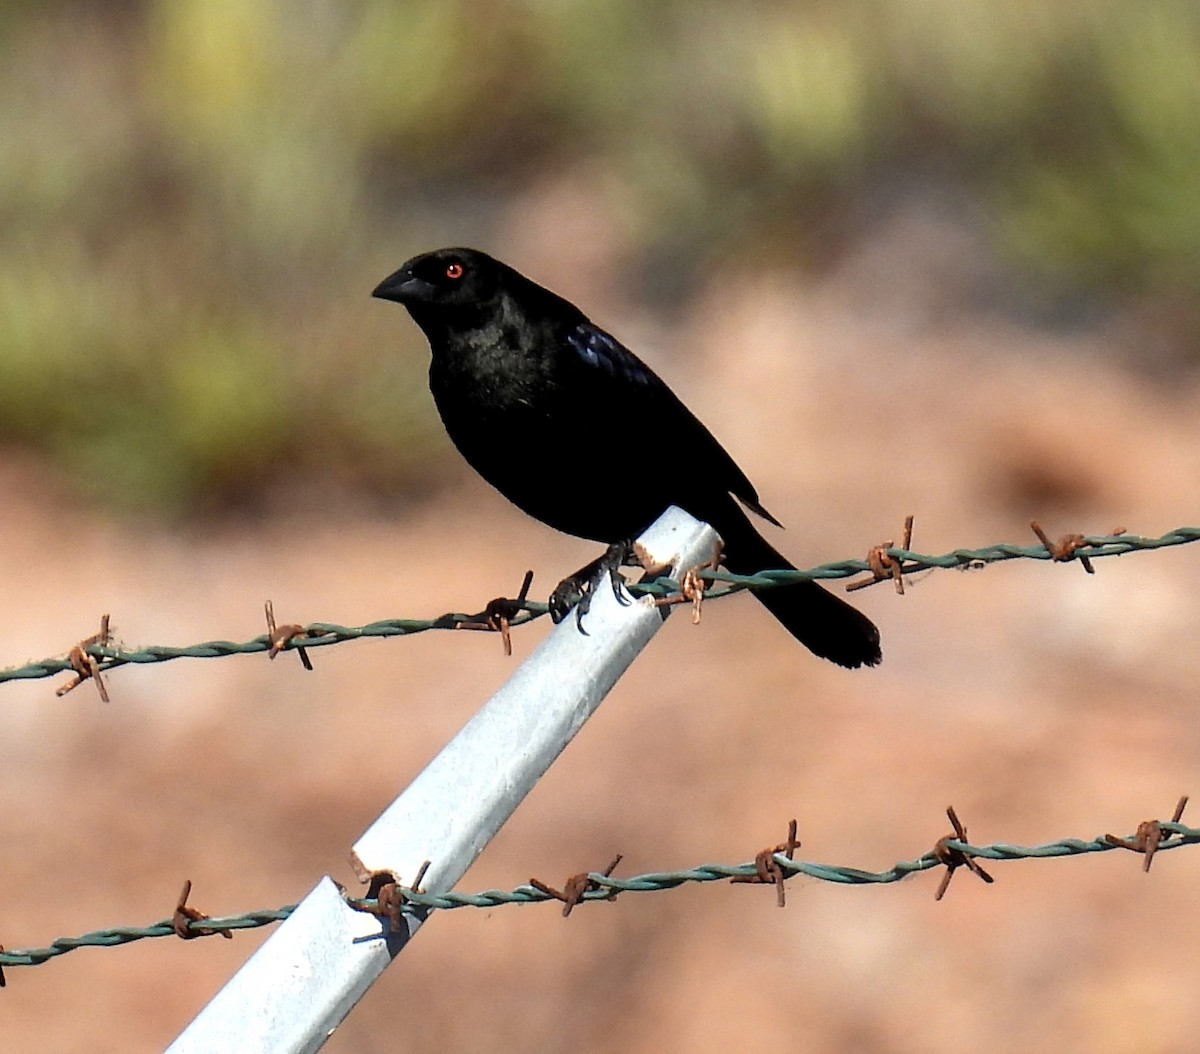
563,597
582,584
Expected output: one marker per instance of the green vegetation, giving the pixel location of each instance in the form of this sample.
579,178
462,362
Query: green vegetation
196,195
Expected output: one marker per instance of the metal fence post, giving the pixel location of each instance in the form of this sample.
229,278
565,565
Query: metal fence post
294,991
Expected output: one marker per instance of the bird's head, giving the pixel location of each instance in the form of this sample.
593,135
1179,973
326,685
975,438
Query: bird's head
452,292
443,282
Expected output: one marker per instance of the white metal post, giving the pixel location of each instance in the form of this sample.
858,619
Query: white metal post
295,990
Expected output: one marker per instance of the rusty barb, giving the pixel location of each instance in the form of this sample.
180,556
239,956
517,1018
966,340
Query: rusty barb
386,897
1066,548
768,870
1150,835
497,616
955,858
691,585
884,566
282,636
85,664
575,887
182,922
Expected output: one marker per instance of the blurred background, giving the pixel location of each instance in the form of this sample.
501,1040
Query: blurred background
903,256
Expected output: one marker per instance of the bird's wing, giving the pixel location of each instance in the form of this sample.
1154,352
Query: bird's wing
609,364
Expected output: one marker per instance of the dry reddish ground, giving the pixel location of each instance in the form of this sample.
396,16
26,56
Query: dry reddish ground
1040,701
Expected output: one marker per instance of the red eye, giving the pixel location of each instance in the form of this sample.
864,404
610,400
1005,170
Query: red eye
454,271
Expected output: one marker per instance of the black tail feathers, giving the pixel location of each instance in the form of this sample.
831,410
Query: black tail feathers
824,623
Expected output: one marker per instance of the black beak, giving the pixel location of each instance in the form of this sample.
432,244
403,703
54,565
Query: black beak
403,287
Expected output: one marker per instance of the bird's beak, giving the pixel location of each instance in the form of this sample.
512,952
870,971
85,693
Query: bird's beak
403,287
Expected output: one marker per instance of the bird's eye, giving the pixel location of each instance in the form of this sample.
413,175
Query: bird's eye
454,271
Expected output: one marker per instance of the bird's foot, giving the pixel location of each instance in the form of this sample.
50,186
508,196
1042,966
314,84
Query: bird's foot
582,584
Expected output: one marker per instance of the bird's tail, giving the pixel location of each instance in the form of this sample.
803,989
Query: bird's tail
824,623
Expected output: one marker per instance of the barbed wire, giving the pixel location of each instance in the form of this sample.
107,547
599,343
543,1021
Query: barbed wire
771,866
98,654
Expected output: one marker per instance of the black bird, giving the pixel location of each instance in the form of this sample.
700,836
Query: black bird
553,412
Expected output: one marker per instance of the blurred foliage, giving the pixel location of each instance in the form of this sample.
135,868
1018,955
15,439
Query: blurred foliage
196,195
